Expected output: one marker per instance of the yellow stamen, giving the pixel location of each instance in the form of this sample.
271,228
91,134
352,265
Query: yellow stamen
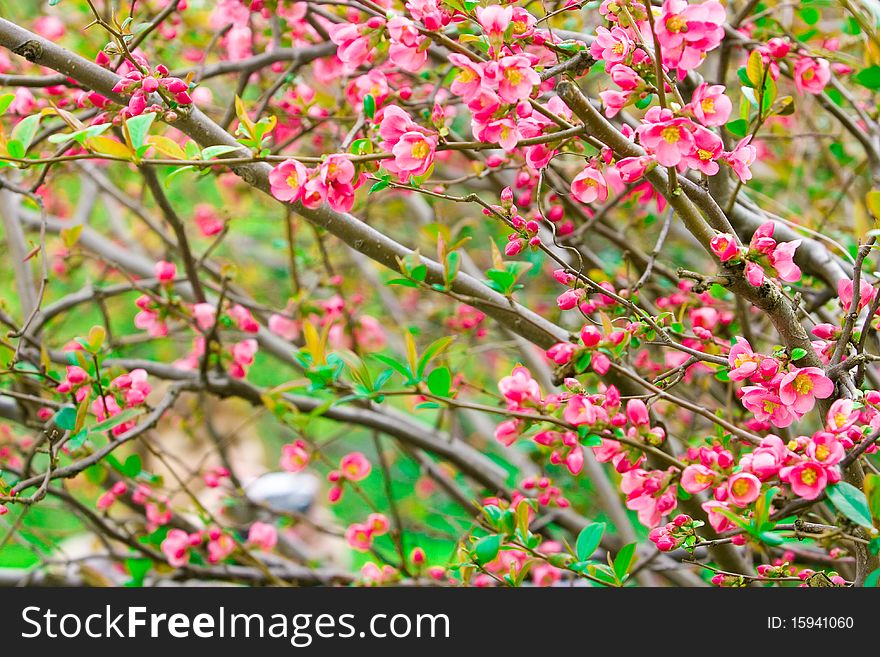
671,134
802,384
708,105
808,476
676,24
420,150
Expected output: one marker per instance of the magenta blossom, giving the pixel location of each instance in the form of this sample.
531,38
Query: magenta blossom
800,388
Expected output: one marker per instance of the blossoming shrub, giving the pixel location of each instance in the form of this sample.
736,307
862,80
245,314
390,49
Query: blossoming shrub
480,294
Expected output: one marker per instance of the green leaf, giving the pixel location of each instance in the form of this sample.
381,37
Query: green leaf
139,128
873,579
434,349
738,128
25,130
809,15
5,102
487,548
215,151
379,186
798,353
869,77
138,569
624,560
65,418
132,466
369,106
439,381
851,502
588,540
755,69
395,365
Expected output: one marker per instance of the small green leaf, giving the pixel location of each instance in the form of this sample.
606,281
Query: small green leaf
65,418
139,128
588,540
873,579
379,186
851,502
624,560
211,152
798,353
487,549
439,381
132,466
25,130
738,128
369,106
868,77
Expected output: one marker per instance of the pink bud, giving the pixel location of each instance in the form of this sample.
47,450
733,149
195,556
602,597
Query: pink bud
165,271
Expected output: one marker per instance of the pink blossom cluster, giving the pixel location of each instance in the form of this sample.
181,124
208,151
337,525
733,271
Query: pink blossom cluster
413,147
360,536
762,248
674,534
353,467
140,86
333,182
178,545
776,395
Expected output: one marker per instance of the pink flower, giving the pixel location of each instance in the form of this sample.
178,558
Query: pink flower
494,19
811,74
208,222
688,32
287,180
507,432
767,459
165,271
205,315
378,524
520,388
600,363
782,260
405,50
743,361
807,479
754,274
355,466
579,410
589,185
724,246
243,319
825,448
710,105
612,45
294,456
354,49
718,520
176,547
841,416
741,158
516,78
845,293
359,537
801,387
242,357
670,139
413,155
469,80
263,536
632,169
637,412
697,478
284,326
744,488
220,546
708,147
561,353
767,406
